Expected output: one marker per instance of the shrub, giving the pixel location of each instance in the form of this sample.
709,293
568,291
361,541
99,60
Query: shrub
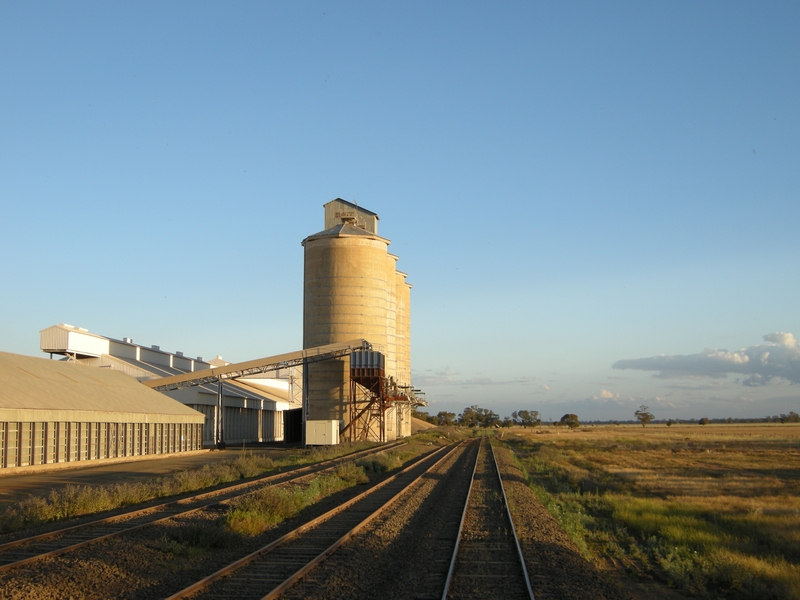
570,420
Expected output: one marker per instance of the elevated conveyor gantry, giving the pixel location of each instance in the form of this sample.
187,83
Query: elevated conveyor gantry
259,365
254,367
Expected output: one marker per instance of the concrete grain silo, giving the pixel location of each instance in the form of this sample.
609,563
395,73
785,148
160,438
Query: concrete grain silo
403,328
391,314
351,290
345,296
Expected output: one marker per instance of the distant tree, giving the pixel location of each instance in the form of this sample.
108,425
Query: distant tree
792,417
446,418
489,418
475,416
526,418
670,423
729,420
644,416
570,420
703,421
507,422
469,417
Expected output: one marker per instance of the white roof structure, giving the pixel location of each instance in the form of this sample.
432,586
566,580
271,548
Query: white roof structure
151,362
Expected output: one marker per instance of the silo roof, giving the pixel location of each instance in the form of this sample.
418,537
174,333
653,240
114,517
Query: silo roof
33,384
345,230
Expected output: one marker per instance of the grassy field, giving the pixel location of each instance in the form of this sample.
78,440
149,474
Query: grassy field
710,511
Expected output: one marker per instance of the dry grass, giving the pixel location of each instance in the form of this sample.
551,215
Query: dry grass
73,501
713,511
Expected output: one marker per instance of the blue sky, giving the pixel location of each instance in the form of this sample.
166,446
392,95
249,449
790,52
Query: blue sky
569,186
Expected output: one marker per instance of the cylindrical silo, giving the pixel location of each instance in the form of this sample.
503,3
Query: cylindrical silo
345,296
391,317
406,291
403,329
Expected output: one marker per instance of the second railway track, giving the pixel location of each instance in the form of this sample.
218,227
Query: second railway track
29,549
273,569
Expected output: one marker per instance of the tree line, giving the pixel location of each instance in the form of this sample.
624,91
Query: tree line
475,416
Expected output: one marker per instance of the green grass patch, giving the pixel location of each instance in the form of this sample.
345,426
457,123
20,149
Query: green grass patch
254,513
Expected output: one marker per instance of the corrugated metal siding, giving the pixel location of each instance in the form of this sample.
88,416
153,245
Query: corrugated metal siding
53,338
27,444
122,349
367,359
180,362
155,357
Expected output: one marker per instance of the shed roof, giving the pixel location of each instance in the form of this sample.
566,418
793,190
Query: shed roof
38,384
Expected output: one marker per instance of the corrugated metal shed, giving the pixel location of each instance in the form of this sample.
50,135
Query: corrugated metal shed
36,389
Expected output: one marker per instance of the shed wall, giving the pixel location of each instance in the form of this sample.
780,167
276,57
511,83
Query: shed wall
30,444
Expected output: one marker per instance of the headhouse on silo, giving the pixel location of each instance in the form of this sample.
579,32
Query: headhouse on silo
352,289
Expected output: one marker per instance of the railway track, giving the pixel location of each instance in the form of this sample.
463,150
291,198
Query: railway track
450,538
438,528
475,552
487,560
24,551
273,569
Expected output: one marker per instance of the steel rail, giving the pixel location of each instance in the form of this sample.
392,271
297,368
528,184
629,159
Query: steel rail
461,526
453,560
511,520
297,532
282,477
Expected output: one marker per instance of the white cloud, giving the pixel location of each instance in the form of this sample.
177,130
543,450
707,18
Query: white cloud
606,395
778,359
443,377
546,387
784,339
449,377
